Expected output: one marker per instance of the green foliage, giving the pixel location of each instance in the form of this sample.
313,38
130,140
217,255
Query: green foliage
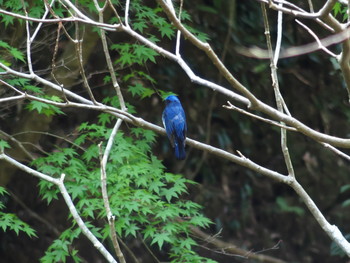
146,19
44,108
285,207
138,88
6,49
3,145
9,221
61,248
134,54
145,200
144,13
40,107
342,10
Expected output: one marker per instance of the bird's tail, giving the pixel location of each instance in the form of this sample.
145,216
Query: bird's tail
180,152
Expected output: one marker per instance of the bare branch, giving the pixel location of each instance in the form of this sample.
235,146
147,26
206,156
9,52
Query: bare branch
97,244
322,47
278,96
231,248
19,144
324,11
111,218
108,58
336,151
210,53
59,182
230,106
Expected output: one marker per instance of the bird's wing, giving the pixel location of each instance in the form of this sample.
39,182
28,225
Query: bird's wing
168,124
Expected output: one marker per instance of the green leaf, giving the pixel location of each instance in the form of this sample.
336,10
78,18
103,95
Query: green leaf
200,221
12,222
284,206
169,193
344,188
149,231
140,25
36,11
4,44
132,230
160,238
105,118
337,8
6,19
18,55
187,243
346,203
3,191
136,89
34,89
3,145
167,212
43,108
167,30
143,54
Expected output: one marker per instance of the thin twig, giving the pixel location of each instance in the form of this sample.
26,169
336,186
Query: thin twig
231,249
19,144
103,164
108,57
336,151
230,106
178,36
275,84
321,46
28,41
79,50
33,214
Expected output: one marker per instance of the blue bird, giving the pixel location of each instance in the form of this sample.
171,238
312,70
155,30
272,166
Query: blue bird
174,121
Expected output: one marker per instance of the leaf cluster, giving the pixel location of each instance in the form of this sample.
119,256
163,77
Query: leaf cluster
9,221
146,200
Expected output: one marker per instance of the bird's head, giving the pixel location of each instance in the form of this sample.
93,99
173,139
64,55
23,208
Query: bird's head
171,98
